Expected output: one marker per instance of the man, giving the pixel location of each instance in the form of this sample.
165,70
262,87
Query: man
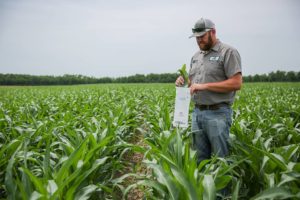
214,76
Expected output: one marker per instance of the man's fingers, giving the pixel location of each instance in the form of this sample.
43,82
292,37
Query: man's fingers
179,81
192,89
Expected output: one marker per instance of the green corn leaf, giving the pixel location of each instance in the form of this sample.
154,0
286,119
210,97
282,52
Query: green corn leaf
274,193
222,181
277,159
25,184
9,180
184,74
285,178
209,187
81,177
288,152
78,175
73,158
86,192
235,194
190,189
35,196
179,149
22,187
46,162
149,183
51,187
166,180
36,181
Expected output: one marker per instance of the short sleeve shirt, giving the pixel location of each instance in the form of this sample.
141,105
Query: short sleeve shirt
218,64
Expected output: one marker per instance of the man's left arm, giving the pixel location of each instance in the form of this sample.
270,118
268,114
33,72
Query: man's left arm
231,84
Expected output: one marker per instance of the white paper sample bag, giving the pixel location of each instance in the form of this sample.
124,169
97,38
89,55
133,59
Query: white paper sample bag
182,104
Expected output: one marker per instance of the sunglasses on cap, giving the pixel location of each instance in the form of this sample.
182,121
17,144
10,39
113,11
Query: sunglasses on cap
197,30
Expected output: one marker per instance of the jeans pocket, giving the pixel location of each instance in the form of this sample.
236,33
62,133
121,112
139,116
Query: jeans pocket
217,126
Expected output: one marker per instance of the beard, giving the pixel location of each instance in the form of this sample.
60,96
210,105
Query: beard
205,46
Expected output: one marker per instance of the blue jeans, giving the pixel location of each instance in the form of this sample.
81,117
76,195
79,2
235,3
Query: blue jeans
210,132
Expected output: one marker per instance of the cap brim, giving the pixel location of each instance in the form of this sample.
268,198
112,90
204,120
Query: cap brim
198,34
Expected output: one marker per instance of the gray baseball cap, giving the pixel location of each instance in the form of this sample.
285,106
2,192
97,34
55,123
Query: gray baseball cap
201,27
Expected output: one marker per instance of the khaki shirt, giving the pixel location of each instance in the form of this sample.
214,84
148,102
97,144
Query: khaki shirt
217,64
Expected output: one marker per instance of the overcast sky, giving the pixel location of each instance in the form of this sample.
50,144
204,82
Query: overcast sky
120,38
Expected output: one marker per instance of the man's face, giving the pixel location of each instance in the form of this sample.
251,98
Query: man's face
205,42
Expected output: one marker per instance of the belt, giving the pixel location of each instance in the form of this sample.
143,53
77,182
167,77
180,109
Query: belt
211,107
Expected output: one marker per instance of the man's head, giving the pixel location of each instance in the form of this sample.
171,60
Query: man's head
205,33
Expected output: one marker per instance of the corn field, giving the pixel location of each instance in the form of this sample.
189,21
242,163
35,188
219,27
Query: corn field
116,141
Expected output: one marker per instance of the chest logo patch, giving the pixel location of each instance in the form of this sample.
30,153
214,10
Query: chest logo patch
216,58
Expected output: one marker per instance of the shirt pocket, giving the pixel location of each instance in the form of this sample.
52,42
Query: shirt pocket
215,67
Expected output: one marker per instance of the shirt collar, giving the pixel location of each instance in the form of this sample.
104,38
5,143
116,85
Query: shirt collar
216,47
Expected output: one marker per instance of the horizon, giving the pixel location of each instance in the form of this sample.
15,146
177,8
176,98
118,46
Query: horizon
137,74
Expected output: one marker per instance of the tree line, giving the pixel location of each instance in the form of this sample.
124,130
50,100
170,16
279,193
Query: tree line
24,79
278,76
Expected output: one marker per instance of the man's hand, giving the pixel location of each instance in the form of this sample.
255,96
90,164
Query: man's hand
234,83
179,81
197,87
